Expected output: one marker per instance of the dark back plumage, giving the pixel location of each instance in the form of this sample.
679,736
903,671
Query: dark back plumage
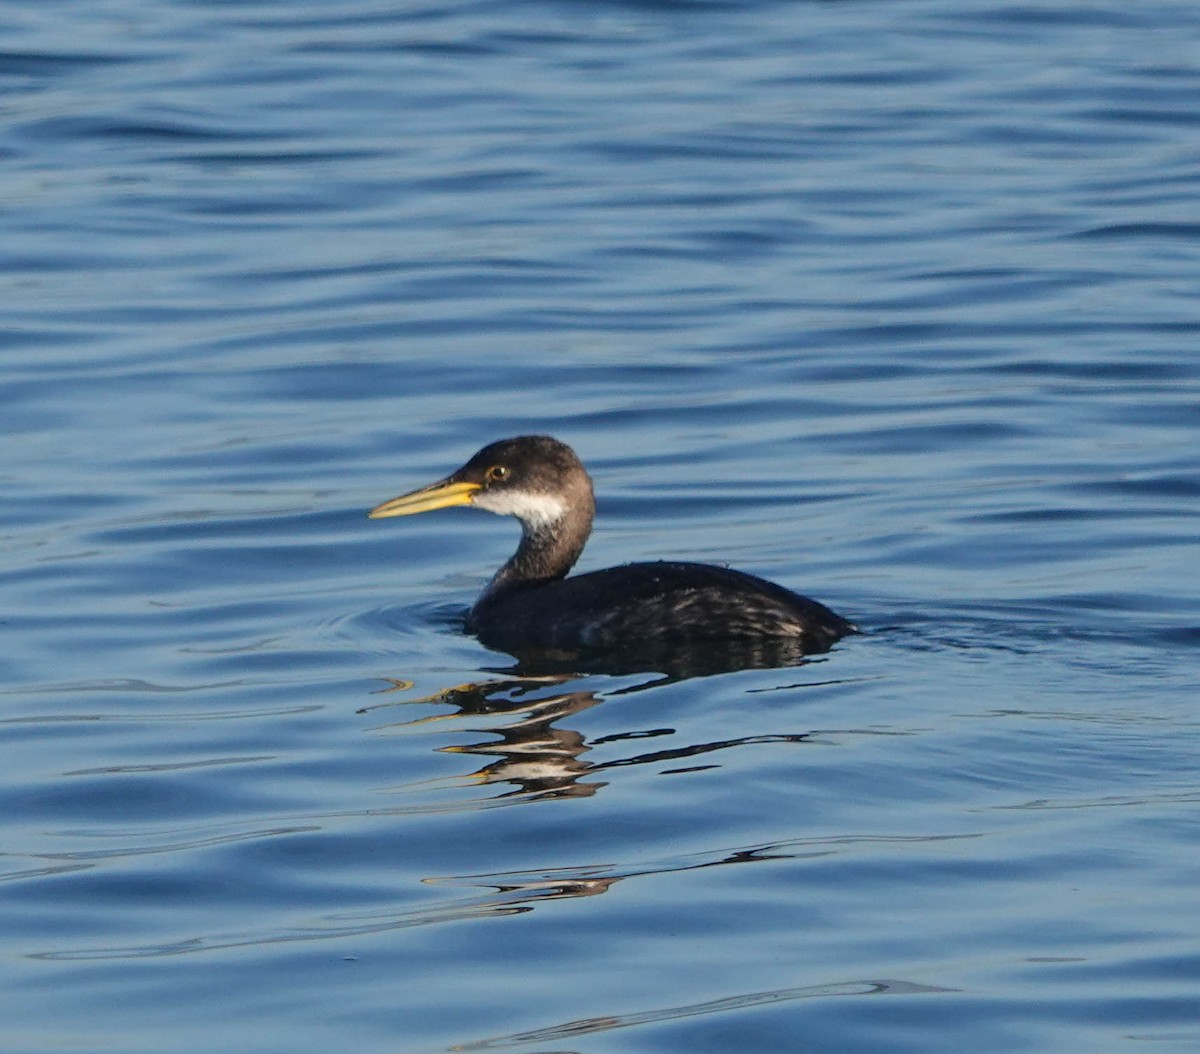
662,602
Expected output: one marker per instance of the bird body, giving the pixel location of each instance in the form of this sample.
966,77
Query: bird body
531,603
662,601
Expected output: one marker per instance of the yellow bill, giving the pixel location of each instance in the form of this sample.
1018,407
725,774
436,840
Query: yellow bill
438,496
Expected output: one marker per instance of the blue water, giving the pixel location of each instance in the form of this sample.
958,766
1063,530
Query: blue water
894,303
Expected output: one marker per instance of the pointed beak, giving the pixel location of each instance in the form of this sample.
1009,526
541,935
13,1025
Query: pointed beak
439,495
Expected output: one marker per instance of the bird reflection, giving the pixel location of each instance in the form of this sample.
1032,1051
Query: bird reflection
515,891
538,759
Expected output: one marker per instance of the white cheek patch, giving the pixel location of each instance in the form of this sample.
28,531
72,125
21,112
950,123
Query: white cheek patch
533,510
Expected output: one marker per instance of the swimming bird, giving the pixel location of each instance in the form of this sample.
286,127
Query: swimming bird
530,603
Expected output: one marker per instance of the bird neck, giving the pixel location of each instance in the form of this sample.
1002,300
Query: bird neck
548,549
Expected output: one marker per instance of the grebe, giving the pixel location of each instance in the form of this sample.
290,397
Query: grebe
531,604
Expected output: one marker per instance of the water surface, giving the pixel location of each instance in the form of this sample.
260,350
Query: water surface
893,303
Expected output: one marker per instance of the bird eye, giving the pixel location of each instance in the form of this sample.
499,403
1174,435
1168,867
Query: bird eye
497,473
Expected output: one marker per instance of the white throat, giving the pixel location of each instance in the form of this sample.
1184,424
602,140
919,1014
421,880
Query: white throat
533,510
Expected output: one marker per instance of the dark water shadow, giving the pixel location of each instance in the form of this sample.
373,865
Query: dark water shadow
673,661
